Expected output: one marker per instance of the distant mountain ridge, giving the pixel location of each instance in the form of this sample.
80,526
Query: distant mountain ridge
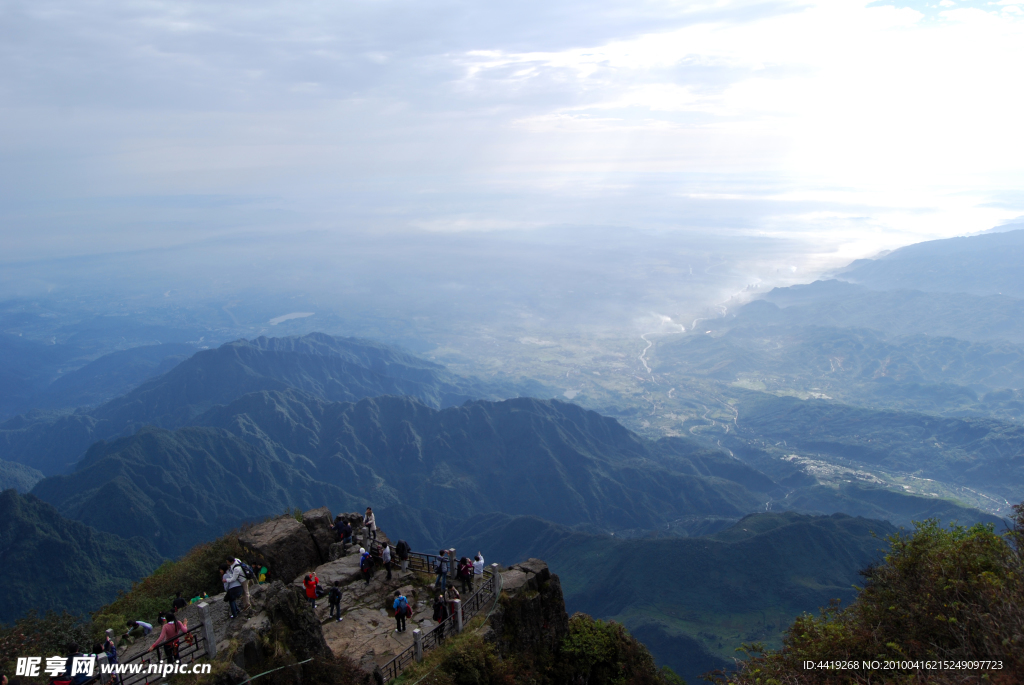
337,369
273,449
986,264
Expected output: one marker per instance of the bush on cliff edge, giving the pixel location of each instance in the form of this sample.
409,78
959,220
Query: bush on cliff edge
953,594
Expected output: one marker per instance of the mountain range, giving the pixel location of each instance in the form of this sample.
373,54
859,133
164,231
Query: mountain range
337,369
268,450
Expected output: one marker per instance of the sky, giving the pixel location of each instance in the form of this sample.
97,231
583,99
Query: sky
851,126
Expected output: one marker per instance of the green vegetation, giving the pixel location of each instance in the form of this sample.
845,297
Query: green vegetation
193,574
52,563
18,476
48,635
592,653
693,601
953,594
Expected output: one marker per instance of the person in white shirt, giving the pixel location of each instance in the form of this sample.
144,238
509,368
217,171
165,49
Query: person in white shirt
478,565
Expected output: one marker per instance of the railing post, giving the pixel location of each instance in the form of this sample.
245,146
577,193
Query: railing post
208,633
458,615
417,639
494,579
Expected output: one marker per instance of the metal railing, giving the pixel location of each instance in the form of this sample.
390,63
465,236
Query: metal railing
436,636
185,649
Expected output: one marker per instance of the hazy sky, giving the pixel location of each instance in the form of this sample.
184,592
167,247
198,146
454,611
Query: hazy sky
148,123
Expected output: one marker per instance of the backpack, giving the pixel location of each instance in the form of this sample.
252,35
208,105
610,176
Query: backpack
247,571
403,607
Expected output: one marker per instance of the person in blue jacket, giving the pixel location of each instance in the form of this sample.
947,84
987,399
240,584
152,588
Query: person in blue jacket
401,607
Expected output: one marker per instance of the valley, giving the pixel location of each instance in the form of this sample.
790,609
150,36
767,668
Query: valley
792,433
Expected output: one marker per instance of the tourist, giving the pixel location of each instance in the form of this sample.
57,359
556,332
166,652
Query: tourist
440,609
136,629
232,586
401,607
386,556
171,629
178,602
243,578
442,571
334,600
310,582
81,678
451,594
466,574
478,566
403,549
365,565
370,524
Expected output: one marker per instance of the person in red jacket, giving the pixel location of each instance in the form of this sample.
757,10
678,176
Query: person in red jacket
310,582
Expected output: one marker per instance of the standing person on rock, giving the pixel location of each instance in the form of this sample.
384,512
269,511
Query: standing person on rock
403,549
334,600
178,603
466,574
478,566
440,614
386,556
309,583
370,524
442,571
243,581
401,607
365,565
232,586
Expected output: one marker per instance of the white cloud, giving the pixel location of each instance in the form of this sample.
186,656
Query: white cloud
399,113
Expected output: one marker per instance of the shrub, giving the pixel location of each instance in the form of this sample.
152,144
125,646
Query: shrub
940,595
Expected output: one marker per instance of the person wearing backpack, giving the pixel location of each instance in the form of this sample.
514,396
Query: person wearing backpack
401,607
334,600
365,565
244,575
232,579
442,571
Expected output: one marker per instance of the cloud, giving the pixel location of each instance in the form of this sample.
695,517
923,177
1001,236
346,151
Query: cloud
458,115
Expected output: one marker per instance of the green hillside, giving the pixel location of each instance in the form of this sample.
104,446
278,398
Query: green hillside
177,489
337,369
521,456
18,476
692,601
51,562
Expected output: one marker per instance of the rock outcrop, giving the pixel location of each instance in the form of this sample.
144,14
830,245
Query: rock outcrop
531,615
318,523
286,545
283,629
